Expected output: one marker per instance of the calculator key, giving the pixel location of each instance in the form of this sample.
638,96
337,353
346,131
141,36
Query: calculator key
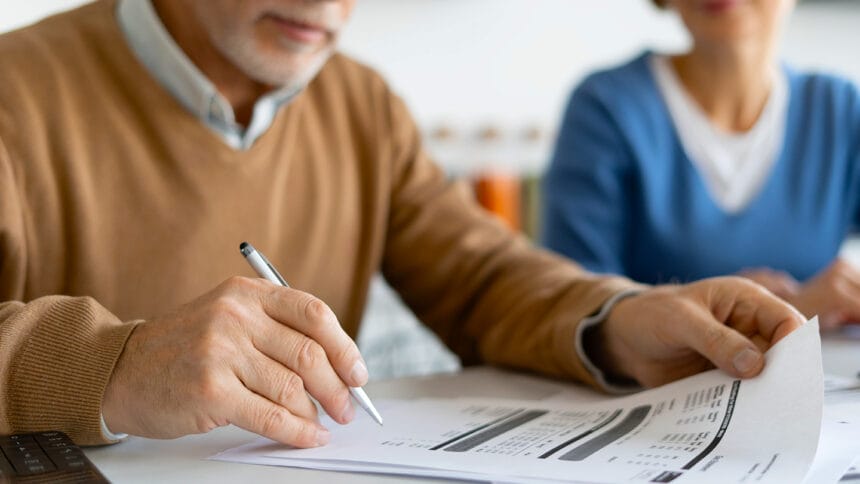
54,453
36,469
28,454
71,463
54,438
20,438
32,465
56,445
67,457
19,441
19,448
44,457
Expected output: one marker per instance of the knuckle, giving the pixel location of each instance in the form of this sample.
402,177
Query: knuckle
291,385
204,423
226,306
843,293
209,387
238,283
310,354
305,435
315,309
750,283
715,338
274,420
347,354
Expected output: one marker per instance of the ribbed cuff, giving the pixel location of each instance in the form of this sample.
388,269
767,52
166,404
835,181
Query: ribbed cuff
596,373
587,298
59,374
110,436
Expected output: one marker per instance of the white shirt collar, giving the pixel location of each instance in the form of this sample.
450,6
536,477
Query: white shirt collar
165,60
734,166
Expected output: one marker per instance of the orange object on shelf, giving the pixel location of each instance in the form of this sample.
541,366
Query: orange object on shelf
501,194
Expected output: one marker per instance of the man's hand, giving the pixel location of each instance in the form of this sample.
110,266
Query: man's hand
247,353
671,332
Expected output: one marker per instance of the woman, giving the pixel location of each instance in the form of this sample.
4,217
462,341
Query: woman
716,161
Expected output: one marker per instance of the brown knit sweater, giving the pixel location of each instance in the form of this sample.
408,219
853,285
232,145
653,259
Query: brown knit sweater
117,205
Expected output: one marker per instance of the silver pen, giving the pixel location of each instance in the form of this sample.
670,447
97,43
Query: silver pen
267,271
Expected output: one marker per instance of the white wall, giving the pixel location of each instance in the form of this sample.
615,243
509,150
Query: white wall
15,14
514,61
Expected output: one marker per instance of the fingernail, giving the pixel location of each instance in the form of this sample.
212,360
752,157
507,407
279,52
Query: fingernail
358,373
348,412
746,360
323,437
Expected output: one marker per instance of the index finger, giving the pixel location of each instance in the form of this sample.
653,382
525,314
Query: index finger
313,318
748,306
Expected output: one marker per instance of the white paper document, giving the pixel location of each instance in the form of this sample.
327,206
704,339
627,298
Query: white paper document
706,428
852,474
839,443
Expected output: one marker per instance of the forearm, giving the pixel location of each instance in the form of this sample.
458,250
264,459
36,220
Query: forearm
489,294
541,334
56,357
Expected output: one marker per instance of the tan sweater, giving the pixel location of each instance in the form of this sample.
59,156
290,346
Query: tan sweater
117,205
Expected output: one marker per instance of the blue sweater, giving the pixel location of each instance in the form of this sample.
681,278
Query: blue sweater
621,195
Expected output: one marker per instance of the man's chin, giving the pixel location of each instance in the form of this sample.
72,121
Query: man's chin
284,70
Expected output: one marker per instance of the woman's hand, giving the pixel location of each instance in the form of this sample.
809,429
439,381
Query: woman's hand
833,294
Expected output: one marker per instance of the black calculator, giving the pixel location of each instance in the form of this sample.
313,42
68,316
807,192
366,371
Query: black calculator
44,457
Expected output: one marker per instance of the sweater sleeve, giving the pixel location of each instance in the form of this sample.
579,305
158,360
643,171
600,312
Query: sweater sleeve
56,353
488,294
586,209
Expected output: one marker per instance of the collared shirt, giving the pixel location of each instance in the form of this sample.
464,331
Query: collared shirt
158,52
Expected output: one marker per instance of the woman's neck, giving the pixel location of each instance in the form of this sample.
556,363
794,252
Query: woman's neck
731,86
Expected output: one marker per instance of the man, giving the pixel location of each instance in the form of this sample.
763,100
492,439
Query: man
140,143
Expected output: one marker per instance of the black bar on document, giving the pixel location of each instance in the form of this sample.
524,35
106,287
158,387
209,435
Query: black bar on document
495,431
476,429
630,422
667,476
581,436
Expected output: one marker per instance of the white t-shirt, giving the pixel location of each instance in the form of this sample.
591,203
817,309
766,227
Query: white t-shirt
734,166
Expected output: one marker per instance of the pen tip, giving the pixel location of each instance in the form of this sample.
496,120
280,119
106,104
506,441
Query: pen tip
243,245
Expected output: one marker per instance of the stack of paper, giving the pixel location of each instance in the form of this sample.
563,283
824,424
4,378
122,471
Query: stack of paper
706,428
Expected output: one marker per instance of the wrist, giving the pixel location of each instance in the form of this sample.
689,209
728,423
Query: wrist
115,406
603,347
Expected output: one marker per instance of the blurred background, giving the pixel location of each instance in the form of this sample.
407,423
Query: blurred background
487,80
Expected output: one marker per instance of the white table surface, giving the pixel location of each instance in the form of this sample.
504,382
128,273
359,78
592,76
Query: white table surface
182,460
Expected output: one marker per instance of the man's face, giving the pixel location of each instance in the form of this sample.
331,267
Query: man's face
281,43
